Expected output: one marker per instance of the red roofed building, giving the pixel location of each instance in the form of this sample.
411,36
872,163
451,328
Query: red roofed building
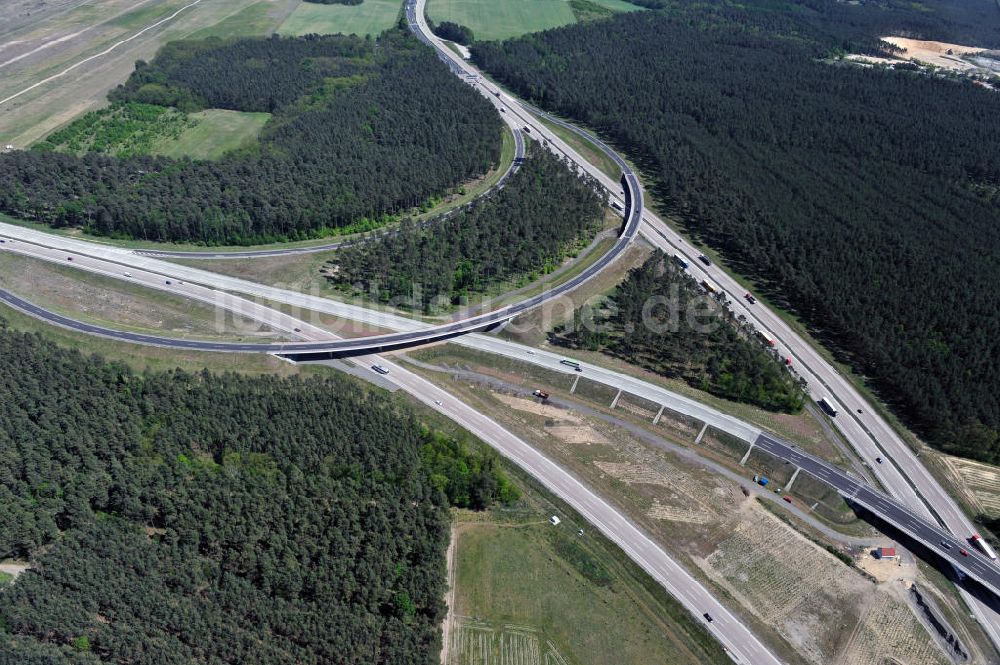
885,553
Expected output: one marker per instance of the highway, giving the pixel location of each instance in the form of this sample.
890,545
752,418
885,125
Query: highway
739,642
903,475
415,334
737,639
885,507
865,429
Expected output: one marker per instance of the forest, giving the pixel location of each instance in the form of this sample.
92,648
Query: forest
661,319
186,518
363,131
545,211
453,32
866,201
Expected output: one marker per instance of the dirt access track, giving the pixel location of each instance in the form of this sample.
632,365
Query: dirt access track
59,58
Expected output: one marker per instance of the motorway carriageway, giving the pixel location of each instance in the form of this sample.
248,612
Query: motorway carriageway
659,230
612,524
886,508
864,428
738,641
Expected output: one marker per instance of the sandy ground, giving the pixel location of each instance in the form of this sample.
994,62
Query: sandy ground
13,568
935,53
870,59
888,570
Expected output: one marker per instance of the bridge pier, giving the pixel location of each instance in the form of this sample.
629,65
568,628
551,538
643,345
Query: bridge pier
614,402
704,428
791,480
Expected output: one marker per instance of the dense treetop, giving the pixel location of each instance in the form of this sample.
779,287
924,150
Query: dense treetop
362,130
661,319
179,518
453,31
865,200
545,211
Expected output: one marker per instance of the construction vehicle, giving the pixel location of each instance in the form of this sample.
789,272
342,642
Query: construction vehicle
541,394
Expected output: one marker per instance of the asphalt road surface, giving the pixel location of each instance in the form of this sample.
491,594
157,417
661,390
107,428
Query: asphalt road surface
864,428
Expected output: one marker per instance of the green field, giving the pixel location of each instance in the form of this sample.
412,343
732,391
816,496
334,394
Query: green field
369,18
256,19
543,594
214,133
502,19
124,130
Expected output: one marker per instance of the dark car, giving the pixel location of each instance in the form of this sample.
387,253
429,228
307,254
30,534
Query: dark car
168,281
708,617
878,459
704,259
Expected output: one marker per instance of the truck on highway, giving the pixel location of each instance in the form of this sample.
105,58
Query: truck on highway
827,405
708,286
570,363
983,546
379,369
680,261
768,339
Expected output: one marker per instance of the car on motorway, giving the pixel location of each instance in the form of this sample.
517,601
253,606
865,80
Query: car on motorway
69,258
945,544
749,298
878,459
128,274
704,259
169,282
438,402
708,617
297,329
963,551
787,499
